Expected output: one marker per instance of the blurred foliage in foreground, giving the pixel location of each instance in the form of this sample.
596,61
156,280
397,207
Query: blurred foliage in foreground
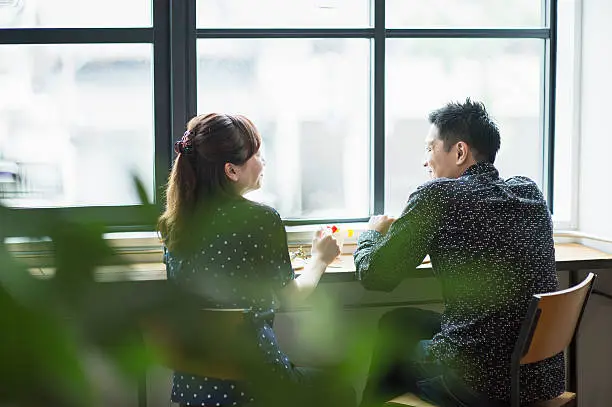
47,325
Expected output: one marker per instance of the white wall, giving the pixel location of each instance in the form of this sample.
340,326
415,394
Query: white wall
595,195
595,192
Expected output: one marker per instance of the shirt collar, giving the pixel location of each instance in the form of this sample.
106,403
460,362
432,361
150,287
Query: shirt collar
481,168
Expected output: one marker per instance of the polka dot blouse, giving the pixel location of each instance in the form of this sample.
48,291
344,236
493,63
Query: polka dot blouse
491,246
240,259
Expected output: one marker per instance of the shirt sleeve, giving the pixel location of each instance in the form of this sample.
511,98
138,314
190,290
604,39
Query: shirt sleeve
382,261
274,259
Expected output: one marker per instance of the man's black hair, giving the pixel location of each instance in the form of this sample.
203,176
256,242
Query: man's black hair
468,122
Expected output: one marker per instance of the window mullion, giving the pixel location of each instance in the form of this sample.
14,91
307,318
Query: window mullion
378,143
161,95
183,60
550,104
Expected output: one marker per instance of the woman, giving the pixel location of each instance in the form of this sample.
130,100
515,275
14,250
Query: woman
231,250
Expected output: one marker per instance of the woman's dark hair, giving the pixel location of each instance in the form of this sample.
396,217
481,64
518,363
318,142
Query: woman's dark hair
198,175
468,122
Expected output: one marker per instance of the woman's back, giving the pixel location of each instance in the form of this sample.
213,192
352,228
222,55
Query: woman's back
233,252
236,257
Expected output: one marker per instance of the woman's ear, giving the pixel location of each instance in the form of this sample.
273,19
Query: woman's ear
231,171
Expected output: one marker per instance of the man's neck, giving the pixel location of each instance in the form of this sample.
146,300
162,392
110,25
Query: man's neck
467,164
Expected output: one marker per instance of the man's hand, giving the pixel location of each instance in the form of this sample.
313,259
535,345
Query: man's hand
380,223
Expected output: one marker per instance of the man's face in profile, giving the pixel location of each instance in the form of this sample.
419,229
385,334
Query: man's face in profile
439,162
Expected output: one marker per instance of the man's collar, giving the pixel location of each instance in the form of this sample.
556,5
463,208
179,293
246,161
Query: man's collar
482,167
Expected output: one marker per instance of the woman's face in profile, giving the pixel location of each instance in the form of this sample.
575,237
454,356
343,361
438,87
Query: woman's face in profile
251,173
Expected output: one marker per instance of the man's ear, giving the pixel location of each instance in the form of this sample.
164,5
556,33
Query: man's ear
231,171
463,152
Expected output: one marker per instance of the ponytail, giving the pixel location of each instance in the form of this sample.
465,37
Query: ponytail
180,199
198,179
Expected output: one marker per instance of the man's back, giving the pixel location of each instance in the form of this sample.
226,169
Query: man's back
491,246
494,250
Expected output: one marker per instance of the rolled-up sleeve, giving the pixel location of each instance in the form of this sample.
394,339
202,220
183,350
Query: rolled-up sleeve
383,261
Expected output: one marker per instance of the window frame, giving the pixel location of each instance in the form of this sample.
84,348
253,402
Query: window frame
378,34
22,221
174,35
570,223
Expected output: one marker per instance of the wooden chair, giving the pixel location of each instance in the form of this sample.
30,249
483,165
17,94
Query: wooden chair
214,347
548,328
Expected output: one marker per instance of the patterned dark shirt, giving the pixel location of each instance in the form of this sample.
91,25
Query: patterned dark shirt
491,246
240,260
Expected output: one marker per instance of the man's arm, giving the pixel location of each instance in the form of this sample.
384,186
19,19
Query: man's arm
383,260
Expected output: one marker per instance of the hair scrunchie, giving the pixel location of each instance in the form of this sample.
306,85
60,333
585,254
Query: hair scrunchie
184,145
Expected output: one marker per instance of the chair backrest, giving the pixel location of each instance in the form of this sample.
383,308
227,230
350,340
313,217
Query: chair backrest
552,320
209,343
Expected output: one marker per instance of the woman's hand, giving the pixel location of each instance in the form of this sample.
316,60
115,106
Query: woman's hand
324,250
324,247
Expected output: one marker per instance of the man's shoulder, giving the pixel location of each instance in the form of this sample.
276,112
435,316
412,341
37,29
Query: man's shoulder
432,193
436,186
520,180
524,187
439,188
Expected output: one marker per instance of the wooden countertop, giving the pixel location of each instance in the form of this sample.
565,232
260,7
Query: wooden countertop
570,256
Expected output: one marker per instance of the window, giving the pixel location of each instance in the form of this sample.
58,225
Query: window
79,112
506,74
299,72
282,14
75,13
465,14
310,99
77,120
339,89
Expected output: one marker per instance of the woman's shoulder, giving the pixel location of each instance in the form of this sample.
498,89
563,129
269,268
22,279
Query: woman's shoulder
243,216
253,208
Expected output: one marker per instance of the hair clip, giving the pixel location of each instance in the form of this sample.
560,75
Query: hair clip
184,145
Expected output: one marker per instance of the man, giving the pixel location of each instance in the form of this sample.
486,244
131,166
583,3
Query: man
491,247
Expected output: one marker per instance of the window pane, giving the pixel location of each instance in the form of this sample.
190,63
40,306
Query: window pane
464,13
75,122
565,124
75,13
425,74
283,14
310,100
